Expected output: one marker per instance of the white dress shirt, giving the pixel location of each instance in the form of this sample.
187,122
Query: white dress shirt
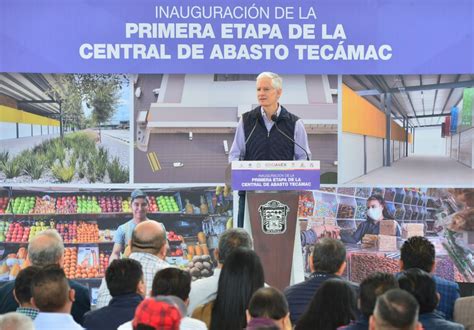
56,321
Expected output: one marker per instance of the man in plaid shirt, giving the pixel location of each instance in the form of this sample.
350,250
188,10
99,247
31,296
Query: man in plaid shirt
419,252
149,248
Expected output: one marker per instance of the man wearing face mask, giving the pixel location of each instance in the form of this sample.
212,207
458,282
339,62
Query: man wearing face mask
376,212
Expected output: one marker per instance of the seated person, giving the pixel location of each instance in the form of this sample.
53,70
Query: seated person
396,309
268,304
422,286
124,278
53,296
22,291
370,288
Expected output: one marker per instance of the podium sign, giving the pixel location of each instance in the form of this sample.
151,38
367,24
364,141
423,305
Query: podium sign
272,209
275,175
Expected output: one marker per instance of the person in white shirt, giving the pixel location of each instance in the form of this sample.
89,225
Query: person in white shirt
205,290
149,247
53,297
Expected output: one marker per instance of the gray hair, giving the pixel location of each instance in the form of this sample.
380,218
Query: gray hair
14,321
232,239
41,254
277,81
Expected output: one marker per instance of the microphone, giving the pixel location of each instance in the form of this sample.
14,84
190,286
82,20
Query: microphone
274,119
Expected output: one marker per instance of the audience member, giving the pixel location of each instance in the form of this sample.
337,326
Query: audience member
124,280
242,275
53,297
22,291
422,286
173,282
149,248
47,248
205,290
333,305
327,261
159,313
396,309
370,288
419,252
16,321
268,304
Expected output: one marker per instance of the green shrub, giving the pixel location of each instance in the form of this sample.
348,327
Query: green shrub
12,168
62,172
117,173
32,165
4,156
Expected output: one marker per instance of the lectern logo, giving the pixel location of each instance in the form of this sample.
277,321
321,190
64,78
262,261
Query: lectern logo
273,216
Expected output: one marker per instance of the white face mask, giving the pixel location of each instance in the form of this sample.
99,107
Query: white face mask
375,213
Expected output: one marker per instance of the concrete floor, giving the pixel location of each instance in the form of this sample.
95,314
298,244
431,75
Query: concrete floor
420,171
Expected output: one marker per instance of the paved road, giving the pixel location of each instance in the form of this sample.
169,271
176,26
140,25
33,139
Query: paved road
117,143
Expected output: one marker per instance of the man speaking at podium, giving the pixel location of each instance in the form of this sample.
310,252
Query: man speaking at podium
268,132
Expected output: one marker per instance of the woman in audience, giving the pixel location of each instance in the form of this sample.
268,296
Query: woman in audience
333,305
242,275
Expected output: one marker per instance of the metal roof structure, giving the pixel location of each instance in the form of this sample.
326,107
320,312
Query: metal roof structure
32,91
422,99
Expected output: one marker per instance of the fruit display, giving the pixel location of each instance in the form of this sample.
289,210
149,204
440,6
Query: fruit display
70,261
66,205
3,230
87,221
110,204
68,231
126,205
17,233
87,232
88,204
167,204
3,204
200,267
39,226
22,204
44,205
103,262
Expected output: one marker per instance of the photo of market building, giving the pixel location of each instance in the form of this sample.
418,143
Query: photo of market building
64,128
185,124
413,129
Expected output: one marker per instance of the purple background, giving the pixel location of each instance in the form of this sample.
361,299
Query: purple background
240,176
427,36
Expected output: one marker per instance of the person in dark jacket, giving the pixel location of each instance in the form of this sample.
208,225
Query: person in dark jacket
422,286
376,212
328,261
370,288
124,278
419,252
269,131
47,248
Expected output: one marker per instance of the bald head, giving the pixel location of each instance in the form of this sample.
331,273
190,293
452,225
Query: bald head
149,237
46,248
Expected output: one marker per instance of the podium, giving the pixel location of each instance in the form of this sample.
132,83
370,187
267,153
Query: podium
271,211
